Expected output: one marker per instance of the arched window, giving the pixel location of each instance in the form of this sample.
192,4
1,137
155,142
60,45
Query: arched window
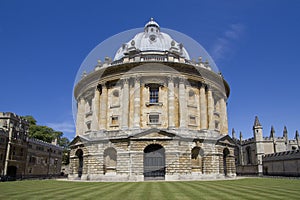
248,155
110,160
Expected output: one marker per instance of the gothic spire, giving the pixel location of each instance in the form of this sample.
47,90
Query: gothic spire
297,135
285,132
233,134
256,122
241,136
272,133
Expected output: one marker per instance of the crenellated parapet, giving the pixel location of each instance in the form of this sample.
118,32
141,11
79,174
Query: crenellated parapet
286,155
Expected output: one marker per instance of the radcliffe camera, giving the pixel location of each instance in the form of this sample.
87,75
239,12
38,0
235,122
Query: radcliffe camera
206,109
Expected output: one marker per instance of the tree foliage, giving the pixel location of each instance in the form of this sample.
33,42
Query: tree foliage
47,134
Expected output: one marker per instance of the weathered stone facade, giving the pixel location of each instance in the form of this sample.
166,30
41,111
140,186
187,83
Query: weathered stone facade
151,114
261,155
23,157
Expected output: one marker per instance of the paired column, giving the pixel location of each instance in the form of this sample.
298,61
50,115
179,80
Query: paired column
125,104
80,116
203,108
210,110
96,105
223,117
171,103
182,103
137,106
103,108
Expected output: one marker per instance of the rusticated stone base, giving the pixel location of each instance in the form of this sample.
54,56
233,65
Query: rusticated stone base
123,159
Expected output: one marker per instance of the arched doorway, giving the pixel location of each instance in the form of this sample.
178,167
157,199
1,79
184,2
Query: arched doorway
79,154
225,156
12,171
154,162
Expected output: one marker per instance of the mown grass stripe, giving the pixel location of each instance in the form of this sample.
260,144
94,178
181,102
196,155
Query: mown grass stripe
260,191
253,188
213,188
122,191
51,188
190,192
109,189
265,188
60,194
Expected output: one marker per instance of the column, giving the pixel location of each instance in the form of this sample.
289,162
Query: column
137,95
80,116
182,103
223,117
171,102
210,110
203,108
95,107
8,147
125,104
103,108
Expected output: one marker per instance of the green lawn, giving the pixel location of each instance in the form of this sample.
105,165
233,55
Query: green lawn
248,188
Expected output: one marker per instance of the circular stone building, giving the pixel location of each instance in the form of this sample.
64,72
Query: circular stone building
151,113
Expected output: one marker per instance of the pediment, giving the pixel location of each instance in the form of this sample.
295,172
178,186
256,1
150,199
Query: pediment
78,140
226,140
154,134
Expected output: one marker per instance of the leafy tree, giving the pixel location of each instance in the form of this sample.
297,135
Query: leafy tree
30,119
47,134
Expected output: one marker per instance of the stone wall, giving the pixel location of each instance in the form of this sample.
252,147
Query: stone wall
282,164
130,159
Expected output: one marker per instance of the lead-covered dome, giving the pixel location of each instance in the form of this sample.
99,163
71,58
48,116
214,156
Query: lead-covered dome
151,40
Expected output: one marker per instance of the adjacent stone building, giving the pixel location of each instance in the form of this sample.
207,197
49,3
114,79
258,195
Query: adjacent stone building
24,157
152,113
267,155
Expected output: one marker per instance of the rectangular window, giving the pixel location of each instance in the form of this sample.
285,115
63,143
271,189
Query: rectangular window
154,94
114,121
154,119
192,120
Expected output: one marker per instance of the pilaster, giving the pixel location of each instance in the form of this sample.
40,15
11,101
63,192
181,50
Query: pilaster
210,109
80,116
203,108
103,108
182,104
96,105
137,106
171,103
223,117
125,104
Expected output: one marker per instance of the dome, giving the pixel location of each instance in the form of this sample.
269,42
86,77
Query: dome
151,40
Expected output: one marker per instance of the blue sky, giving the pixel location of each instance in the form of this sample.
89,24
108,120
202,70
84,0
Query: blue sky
254,43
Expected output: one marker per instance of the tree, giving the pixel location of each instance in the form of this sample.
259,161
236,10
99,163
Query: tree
30,119
45,133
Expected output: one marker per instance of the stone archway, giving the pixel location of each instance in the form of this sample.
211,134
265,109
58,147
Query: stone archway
154,162
79,154
225,157
12,171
